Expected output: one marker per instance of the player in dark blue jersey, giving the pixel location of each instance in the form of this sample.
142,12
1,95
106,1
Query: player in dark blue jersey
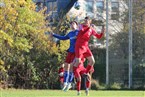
68,74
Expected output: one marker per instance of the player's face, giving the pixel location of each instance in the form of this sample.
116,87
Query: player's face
73,25
87,21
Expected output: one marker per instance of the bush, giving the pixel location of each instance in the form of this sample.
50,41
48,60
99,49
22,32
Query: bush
114,86
95,84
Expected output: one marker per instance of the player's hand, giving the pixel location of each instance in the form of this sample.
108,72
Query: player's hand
51,34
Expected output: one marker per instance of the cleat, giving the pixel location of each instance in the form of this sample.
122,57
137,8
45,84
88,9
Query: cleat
78,93
64,88
87,92
68,87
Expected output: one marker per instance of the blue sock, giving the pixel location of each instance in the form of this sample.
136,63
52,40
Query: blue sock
66,77
71,76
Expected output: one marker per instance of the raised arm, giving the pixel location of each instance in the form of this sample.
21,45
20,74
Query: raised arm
60,37
98,35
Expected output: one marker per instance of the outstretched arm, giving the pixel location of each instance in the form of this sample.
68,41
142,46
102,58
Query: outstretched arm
60,37
98,35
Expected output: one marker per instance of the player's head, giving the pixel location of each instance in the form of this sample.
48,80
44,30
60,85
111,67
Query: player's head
73,25
87,20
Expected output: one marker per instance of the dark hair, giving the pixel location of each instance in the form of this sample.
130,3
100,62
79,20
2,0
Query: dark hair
87,17
74,22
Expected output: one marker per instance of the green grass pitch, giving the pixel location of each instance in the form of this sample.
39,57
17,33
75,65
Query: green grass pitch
71,93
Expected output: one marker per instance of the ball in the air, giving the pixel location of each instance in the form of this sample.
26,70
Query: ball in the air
77,5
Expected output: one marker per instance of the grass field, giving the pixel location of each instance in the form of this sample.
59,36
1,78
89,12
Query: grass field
71,93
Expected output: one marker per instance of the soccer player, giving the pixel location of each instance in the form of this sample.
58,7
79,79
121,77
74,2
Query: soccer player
80,72
81,48
61,75
68,73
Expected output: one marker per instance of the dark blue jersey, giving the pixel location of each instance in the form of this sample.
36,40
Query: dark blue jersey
72,36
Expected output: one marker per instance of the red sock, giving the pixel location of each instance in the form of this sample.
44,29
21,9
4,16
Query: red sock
88,84
89,67
78,85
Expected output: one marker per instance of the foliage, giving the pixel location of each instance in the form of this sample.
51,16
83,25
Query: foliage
100,64
27,56
113,86
94,84
119,47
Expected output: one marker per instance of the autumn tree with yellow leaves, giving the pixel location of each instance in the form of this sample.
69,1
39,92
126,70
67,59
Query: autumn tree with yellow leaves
27,56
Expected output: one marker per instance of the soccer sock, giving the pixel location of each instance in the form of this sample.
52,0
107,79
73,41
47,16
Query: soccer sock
88,84
74,70
78,85
89,67
66,77
71,76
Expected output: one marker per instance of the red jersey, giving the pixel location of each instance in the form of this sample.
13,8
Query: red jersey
85,33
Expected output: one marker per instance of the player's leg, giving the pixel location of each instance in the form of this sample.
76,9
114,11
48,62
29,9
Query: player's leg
88,80
91,60
71,77
71,74
66,75
69,58
78,85
78,79
75,68
77,61
79,51
88,84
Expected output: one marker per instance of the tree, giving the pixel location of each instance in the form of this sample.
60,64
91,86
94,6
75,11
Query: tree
119,46
27,55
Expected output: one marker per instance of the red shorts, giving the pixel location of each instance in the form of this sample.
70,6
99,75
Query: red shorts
80,70
70,57
82,51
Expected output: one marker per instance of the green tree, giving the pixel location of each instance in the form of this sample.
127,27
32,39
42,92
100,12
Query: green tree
27,55
120,42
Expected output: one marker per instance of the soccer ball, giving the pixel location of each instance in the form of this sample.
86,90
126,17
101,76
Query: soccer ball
61,74
77,5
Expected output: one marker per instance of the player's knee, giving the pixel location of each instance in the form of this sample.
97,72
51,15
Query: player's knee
92,62
78,61
88,77
79,79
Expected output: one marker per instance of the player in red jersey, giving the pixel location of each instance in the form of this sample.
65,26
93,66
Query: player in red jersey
61,75
81,48
80,71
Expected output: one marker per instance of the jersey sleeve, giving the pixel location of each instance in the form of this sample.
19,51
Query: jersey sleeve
96,34
61,37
